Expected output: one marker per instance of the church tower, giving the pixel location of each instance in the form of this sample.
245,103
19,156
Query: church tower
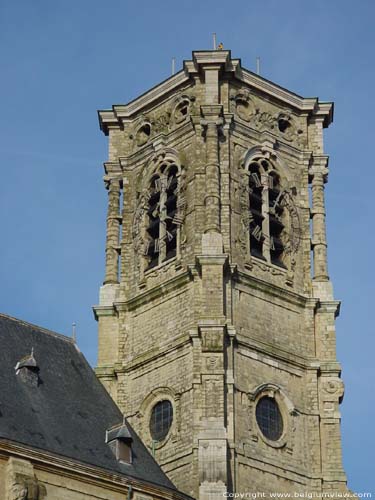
216,316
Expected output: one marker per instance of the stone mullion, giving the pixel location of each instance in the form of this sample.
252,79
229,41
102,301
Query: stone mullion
212,199
246,207
319,241
266,222
178,228
113,232
163,216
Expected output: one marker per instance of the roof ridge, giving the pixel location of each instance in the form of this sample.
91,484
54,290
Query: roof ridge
37,327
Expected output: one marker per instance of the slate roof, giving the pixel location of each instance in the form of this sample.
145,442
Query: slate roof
69,412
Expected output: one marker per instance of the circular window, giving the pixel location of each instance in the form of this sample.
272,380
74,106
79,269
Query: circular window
161,420
269,418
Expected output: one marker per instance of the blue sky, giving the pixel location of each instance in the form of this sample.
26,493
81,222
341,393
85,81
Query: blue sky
63,60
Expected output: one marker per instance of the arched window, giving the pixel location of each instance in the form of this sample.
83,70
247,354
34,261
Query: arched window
163,215
256,212
153,226
266,212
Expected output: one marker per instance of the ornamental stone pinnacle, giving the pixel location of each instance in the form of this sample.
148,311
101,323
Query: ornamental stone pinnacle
216,321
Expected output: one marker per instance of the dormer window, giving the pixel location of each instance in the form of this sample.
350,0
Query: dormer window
120,441
27,369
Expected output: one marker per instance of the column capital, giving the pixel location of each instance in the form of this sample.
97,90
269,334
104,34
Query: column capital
319,167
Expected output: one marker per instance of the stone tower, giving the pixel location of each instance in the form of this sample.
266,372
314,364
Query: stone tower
216,316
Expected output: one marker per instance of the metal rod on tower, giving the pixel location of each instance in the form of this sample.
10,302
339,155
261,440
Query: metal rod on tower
74,335
214,40
258,65
173,65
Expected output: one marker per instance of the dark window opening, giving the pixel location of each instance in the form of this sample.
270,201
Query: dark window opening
171,204
283,125
153,229
163,217
146,130
182,111
255,205
269,418
161,420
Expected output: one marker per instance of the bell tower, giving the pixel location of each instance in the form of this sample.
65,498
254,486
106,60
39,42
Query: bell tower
216,316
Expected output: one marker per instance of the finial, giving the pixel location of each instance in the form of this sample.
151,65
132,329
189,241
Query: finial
220,46
258,65
173,65
74,336
214,40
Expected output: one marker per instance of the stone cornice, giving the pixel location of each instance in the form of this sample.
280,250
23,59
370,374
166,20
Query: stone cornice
63,466
121,112
153,355
284,356
164,288
311,105
272,289
219,59
103,311
329,306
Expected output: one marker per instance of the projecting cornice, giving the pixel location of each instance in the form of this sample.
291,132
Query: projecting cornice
221,59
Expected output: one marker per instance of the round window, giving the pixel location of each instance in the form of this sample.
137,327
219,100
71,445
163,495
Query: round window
161,420
269,418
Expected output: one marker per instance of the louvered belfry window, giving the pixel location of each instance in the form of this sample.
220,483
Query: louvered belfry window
255,202
266,212
163,216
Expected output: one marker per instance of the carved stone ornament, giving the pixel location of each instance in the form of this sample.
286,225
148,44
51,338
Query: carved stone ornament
292,237
283,123
334,387
287,127
25,488
264,120
160,122
181,108
141,131
244,106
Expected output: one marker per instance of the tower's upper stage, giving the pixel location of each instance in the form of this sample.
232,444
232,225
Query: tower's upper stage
211,65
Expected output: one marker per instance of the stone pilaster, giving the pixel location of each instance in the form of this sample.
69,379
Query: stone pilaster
265,225
212,437
211,122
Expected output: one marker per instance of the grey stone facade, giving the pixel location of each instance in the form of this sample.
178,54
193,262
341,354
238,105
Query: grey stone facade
219,326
